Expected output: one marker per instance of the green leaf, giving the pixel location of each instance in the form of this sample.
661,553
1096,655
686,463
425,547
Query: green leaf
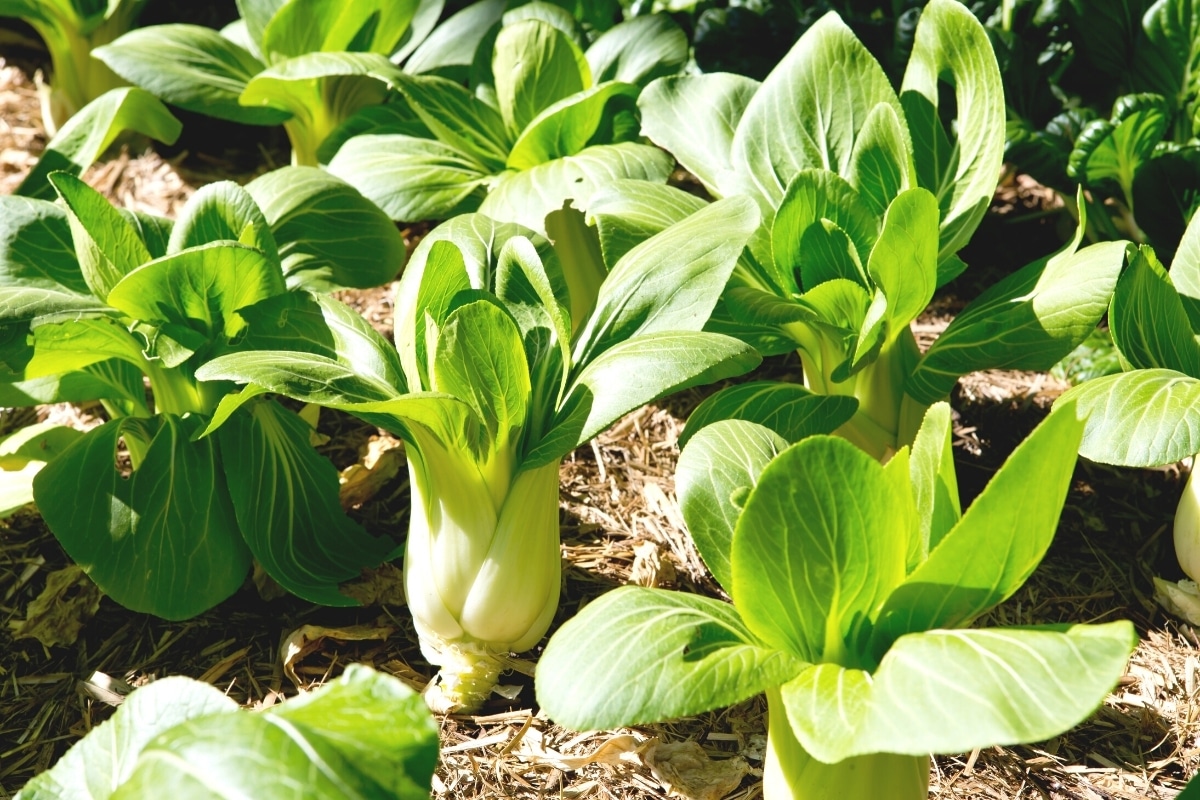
1115,149
881,164
569,125
75,344
1148,319
694,117
36,250
788,409
107,247
1185,270
636,371
628,212
449,49
192,67
1029,320
952,691
111,380
809,111
819,546
933,478
458,119
82,139
638,655
1143,418
308,377
903,263
257,14
222,211
163,542
395,117
534,65
952,46
670,282
722,463
812,197
526,197
200,289
22,454
411,178
996,545
329,235
311,26
285,496
104,759
639,50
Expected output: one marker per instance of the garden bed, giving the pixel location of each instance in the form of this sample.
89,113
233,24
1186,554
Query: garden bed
620,524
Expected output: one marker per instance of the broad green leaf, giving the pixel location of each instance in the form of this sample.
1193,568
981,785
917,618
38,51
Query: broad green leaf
820,545
881,164
164,541
1164,60
715,472
82,139
200,289
424,22
75,344
480,359
637,655
526,197
222,210
307,377
285,496
952,46
1185,270
1115,149
192,67
1029,320
22,454
104,759
628,212
534,65
329,235
113,380
1148,319
996,545
155,231
933,478
411,178
952,691
694,117
808,112
903,263
788,409
1143,418
36,250
458,119
394,117
311,26
639,50
815,195
257,14
636,371
107,247
670,282
569,125
450,47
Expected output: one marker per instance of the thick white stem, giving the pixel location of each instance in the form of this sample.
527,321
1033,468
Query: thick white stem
1187,527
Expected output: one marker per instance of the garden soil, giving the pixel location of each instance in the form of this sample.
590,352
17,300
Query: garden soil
621,524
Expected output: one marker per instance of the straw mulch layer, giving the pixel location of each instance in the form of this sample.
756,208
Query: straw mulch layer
621,524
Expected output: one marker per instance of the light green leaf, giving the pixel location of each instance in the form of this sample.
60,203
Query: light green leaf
82,139
881,164
998,542
722,463
569,125
526,197
534,65
903,263
308,377
163,542
1115,149
952,691
1143,418
104,759
459,119
311,26
285,496
638,655
951,45
22,454
1148,319
1029,320
257,14
820,545
815,195
329,235
36,250
75,344
628,212
192,67
639,50
222,211
449,49
1185,270
411,178
933,478
694,117
107,247
788,409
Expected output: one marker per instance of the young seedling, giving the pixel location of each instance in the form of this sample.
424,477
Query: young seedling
853,586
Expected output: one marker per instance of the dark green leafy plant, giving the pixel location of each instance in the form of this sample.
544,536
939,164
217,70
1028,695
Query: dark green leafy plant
501,368
70,29
545,120
306,64
364,734
95,302
853,587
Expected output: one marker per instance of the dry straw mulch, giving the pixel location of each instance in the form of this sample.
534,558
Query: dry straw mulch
621,524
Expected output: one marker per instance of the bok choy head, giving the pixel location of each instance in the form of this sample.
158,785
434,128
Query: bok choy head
491,383
867,195
854,586
96,303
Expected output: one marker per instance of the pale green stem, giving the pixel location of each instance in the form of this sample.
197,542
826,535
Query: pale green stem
791,773
177,392
1187,527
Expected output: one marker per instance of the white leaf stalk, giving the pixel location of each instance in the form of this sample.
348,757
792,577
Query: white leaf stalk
1187,527
791,773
